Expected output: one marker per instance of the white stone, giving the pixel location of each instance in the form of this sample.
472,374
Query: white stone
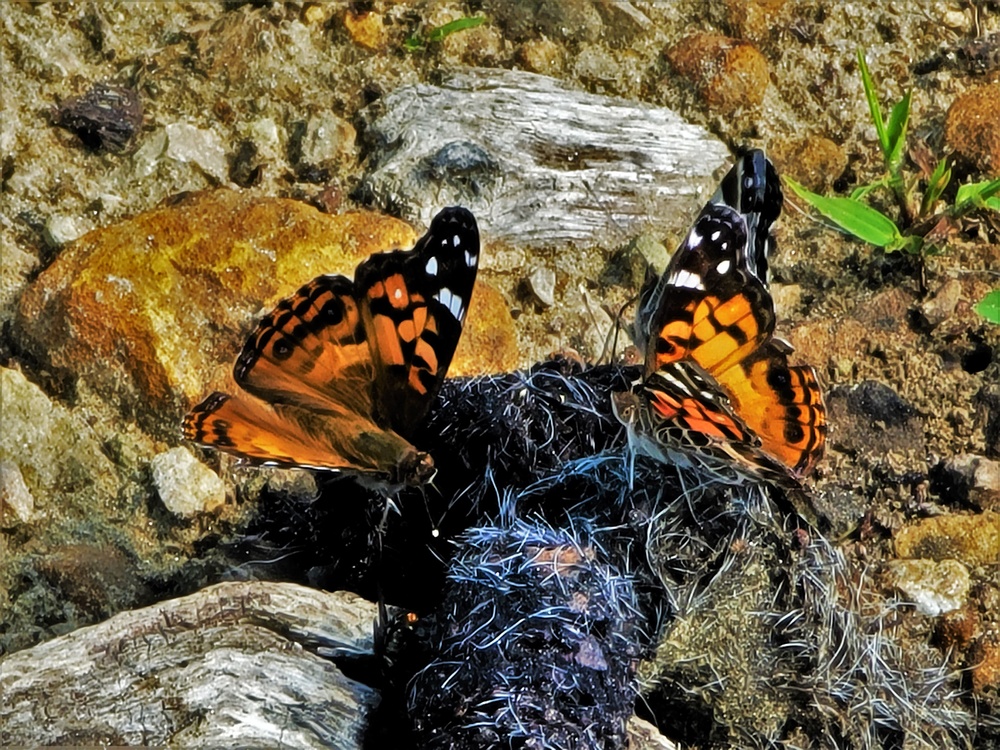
186,486
934,587
186,143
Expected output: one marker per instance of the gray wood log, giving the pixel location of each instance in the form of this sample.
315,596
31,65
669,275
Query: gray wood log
232,665
538,163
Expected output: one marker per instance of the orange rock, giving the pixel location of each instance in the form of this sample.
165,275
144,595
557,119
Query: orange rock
971,128
984,658
489,342
366,29
975,540
814,161
728,73
153,311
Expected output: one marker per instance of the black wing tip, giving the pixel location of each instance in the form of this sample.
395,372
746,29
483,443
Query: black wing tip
455,215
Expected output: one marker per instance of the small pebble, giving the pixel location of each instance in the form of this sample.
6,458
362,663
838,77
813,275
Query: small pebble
543,285
187,143
186,486
16,501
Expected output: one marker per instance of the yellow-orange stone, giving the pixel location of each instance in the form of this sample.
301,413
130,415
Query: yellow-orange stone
145,310
489,342
366,29
152,312
974,540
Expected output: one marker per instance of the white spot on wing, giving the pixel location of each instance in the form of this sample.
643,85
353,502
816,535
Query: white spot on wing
471,259
432,266
723,267
694,239
456,241
716,234
452,301
686,279
398,294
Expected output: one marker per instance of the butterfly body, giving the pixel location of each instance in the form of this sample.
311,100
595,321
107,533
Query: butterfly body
717,390
339,375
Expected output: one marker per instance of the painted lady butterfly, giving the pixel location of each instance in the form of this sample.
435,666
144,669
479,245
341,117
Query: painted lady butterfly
718,391
341,373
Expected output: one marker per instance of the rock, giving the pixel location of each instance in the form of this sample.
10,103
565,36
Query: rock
189,144
489,342
60,230
973,479
16,503
971,128
15,270
232,665
940,307
541,56
328,139
933,587
587,165
814,161
984,658
973,540
569,20
729,74
542,282
57,455
367,29
754,20
106,118
152,312
186,486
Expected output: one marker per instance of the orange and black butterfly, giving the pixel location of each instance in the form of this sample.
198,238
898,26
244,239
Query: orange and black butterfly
718,391
338,376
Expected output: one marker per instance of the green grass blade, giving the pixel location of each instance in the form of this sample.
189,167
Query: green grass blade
989,307
936,185
978,195
873,106
899,118
854,217
459,24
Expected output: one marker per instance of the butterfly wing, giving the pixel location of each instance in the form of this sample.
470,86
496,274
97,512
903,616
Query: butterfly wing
311,351
782,404
413,305
295,437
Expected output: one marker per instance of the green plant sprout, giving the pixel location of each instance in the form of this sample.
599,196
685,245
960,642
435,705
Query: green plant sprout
417,41
919,229
989,307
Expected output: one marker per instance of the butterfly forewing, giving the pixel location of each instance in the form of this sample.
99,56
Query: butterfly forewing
413,311
711,309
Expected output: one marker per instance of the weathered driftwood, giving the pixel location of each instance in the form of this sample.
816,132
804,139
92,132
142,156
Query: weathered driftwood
539,163
232,665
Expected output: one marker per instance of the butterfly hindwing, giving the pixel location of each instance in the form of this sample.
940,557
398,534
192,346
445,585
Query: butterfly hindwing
414,306
292,436
782,404
311,350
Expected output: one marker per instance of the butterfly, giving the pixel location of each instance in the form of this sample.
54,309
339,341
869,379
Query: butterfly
717,389
338,376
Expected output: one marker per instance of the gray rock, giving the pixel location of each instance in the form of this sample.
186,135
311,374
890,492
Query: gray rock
539,163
